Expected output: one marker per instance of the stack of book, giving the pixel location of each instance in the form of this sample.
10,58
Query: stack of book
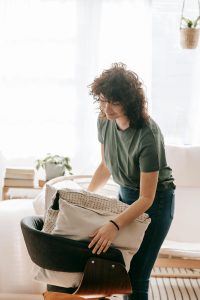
19,177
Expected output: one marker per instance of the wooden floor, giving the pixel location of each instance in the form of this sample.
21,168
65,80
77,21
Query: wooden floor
161,288
178,288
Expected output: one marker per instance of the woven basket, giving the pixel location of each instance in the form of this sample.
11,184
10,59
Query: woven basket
189,37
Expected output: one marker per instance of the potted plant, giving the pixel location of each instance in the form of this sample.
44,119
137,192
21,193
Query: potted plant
189,32
54,165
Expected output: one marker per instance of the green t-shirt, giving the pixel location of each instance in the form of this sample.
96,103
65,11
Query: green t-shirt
131,151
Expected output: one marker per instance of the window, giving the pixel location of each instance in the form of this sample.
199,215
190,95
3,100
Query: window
175,73
50,52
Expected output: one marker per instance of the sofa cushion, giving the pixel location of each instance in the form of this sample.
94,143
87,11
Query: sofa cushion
185,164
181,249
185,224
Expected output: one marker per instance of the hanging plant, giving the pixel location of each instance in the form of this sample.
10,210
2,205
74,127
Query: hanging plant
189,30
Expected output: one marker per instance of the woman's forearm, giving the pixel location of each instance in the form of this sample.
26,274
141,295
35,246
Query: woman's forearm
99,178
132,212
148,184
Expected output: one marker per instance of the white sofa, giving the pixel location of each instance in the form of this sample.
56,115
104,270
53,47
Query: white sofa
183,240
16,281
182,244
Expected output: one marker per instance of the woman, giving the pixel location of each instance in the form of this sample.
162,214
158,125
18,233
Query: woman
133,153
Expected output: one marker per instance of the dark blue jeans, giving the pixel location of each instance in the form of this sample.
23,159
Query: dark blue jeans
161,213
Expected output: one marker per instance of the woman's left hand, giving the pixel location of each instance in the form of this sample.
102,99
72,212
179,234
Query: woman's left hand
103,238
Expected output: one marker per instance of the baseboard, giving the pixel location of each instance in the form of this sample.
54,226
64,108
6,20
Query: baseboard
177,263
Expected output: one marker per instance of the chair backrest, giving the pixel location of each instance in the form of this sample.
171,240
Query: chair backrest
58,253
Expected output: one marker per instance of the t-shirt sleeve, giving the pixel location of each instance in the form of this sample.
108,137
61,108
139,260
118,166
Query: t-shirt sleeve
152,153
100,131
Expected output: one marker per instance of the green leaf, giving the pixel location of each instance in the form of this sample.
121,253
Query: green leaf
188,22
196,21
191,23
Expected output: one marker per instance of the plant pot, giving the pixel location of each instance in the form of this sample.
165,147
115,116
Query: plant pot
53,170
189,37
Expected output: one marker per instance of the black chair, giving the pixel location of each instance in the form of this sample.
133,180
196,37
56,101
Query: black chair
103,275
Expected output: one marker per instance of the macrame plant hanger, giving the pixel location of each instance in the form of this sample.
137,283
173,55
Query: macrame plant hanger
189,35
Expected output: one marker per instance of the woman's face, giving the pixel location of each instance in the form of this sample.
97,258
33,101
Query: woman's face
112,110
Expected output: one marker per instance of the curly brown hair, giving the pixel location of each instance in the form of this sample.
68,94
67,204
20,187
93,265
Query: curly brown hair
118,84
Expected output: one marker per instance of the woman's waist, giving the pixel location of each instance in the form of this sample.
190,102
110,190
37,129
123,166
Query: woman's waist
130,195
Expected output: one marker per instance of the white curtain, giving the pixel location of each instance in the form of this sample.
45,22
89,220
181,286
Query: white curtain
50,51
175,74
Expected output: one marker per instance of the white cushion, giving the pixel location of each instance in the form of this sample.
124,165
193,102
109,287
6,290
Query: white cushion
181,249
52,189
39,203
185,163
63,279
77,223
186,222
99,203
44,199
